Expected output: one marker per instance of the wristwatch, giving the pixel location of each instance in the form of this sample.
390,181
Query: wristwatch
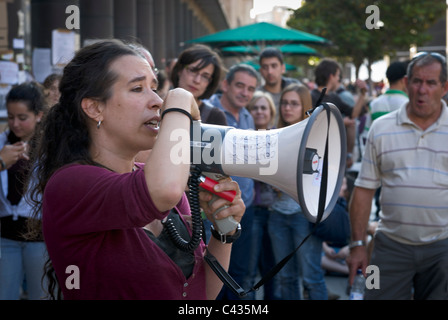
225,238
356,243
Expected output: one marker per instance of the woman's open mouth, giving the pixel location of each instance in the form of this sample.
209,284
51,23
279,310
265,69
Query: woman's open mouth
153,124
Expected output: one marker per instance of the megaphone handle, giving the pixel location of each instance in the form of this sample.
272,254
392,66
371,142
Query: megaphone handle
225,225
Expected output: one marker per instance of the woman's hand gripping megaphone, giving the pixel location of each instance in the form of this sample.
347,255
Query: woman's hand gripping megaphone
222,203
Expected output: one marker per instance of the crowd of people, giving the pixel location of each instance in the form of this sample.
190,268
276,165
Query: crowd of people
105,126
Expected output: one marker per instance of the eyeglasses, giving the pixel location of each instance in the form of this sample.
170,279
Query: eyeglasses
436,55
293,104
193,72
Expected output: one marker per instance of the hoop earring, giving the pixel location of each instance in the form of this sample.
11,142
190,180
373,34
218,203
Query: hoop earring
98,124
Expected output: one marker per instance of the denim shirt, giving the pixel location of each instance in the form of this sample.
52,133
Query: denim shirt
245,122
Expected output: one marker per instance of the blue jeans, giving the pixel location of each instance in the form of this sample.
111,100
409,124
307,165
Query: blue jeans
19,260
261,259
287,232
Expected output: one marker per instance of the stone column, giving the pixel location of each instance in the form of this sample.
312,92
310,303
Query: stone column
125,19
97,19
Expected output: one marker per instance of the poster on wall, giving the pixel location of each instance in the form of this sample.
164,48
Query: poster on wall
41,63
63,46
9,72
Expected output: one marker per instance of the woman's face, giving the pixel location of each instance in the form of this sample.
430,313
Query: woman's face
21,120
53,94
131,115
291,107
261,113
194,80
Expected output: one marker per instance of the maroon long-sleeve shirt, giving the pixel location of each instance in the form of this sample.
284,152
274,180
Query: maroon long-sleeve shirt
93,219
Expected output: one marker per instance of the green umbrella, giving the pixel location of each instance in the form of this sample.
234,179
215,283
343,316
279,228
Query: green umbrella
287,49
262,34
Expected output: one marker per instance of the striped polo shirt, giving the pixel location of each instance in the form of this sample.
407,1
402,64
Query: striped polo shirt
411,165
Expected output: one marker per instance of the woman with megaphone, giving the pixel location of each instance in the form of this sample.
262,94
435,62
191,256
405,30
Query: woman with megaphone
288,226
95,199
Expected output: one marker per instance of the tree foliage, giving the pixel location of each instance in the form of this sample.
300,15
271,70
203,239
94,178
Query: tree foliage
343,22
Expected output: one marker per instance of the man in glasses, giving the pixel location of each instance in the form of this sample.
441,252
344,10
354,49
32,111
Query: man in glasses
407,154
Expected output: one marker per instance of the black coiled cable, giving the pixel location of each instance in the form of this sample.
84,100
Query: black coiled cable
190,246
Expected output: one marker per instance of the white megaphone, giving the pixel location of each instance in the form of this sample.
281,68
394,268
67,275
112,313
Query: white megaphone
290,158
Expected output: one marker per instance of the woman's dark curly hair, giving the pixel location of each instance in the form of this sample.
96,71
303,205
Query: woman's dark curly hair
65,137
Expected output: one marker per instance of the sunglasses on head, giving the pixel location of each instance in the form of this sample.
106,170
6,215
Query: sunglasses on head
436,55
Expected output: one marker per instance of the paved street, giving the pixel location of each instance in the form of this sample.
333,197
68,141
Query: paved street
337,285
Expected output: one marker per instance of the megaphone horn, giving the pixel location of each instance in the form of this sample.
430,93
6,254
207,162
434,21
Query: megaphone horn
290,158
